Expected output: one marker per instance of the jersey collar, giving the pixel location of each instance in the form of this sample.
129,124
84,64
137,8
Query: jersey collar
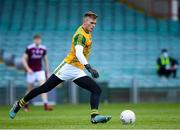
84,30
36,45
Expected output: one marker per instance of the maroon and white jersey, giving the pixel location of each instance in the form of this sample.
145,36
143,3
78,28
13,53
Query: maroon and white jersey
35,56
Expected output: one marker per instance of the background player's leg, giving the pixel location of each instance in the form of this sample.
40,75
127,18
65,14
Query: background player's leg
89,84
44,97
29,88
30,80
51,83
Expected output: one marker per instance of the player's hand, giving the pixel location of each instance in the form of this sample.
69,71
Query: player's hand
93,72
29,70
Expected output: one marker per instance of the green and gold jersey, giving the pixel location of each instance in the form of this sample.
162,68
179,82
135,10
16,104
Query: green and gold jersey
79,38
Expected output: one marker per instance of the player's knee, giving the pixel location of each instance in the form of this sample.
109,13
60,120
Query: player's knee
98,90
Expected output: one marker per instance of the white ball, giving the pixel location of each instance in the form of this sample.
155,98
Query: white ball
127,117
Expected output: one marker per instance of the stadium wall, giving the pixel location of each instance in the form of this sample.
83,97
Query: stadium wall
109,95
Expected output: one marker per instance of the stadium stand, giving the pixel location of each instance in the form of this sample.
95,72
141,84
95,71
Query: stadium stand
126,42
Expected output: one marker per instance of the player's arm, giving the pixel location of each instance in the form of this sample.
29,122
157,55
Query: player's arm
79,42
80,55
46,62
25,63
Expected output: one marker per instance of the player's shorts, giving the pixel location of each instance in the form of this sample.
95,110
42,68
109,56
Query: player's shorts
36,76
66,71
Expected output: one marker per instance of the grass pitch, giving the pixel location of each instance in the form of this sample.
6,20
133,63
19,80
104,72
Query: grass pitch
149,116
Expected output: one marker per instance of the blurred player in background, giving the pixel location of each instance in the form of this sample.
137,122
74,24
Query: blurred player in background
166,65
72,68
32,60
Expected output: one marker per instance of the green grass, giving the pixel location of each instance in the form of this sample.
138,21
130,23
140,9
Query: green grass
149,116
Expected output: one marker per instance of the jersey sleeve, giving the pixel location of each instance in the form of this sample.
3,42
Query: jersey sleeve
45,52
80,55
79,39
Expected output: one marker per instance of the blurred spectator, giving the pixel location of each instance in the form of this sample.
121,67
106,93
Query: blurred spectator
166,65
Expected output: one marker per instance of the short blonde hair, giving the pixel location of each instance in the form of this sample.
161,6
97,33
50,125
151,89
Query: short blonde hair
90,14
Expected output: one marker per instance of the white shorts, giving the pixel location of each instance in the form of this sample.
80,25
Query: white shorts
66,71
36,76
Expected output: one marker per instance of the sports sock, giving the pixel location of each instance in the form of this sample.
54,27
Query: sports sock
94,112
21,102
